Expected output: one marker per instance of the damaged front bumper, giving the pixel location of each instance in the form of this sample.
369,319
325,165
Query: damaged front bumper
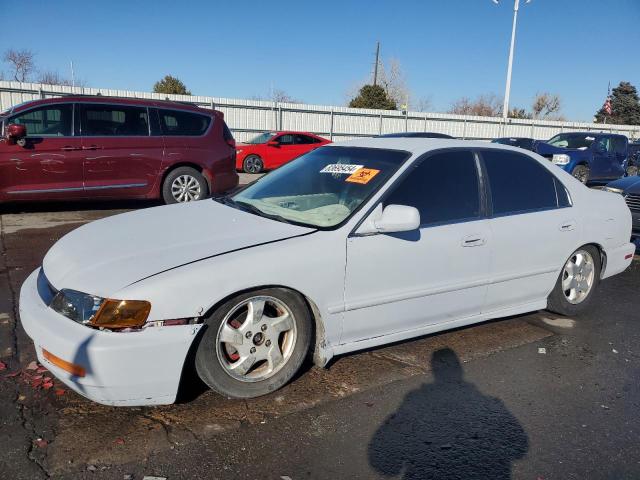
126,369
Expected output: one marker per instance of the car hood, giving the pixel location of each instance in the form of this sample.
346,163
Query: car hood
627,184
107,255
544,148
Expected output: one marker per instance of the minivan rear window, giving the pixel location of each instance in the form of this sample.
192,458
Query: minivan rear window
176,122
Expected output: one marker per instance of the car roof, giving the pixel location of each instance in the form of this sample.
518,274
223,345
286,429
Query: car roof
592,134
113,100
418,146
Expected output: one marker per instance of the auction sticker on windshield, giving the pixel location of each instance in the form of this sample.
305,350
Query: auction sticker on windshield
362,175
341,168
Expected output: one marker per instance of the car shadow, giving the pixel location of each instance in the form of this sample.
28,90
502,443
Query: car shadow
448,429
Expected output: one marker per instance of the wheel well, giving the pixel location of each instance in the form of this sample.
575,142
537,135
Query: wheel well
603,255
195,166
314,311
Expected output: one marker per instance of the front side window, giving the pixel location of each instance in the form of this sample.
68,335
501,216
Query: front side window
178,123
577,141
605,145
114,120
518,183
285,139
322,188
49,121
444,188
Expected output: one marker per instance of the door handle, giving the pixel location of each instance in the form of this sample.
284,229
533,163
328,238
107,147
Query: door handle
69,148
473,241
568,226
91,147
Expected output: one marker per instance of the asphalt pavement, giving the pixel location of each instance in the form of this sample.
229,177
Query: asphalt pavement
528,397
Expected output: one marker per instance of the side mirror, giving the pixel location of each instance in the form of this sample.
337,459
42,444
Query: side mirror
393,219
15,132
273,143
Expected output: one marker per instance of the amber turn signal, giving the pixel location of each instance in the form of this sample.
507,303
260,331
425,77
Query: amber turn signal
72,368
121,314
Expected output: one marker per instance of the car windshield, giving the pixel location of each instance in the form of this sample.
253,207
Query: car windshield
322,188
579,141
262,138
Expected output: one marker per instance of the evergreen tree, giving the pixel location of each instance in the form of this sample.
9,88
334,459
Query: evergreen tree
625,106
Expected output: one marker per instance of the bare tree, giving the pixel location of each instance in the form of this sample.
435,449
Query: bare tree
392,78
425,104
487,105
50,77
545,104
21,61
281,96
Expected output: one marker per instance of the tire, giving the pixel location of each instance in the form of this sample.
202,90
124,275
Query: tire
253,164
581,172
184,184
240,357
632,171
560,300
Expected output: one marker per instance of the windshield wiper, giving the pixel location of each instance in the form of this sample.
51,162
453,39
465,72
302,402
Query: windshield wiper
247,207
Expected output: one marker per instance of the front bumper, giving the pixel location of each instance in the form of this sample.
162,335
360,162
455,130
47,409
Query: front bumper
126,369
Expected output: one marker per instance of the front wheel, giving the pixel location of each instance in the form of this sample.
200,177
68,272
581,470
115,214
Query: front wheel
254,343
577,282
581,172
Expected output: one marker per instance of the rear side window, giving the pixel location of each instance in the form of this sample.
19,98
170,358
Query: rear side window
304,139
226,133
444,188
114,120
564,200
176,122
48,121
620,145
518,183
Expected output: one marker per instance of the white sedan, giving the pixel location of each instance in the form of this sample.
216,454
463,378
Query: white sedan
351,246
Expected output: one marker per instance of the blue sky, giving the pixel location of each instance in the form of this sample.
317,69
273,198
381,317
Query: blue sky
318,51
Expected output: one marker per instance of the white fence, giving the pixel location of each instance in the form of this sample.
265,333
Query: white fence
248,117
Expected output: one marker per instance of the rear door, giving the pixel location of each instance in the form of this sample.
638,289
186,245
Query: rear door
533,227
49,165
620,156
121,158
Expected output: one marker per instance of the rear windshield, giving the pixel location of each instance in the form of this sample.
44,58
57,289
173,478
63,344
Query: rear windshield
322,188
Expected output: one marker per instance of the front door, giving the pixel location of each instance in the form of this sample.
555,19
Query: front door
603,158
285,150
434,275
121,159
49,164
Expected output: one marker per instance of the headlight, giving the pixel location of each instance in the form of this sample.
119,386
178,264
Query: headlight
100,312
561,159
613,190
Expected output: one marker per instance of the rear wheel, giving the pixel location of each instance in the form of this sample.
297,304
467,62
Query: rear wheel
632,171
254,343
253,164
581,172
184,184
577,282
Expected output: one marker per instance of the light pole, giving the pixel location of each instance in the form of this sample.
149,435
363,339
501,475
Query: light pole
516,6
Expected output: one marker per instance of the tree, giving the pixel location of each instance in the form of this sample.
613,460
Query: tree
487,105
625,106
21,61
171,85
544,104
281,96
50,77
425,104
516,112
393,80
373,96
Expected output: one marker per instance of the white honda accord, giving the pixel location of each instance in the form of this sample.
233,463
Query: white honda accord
351,246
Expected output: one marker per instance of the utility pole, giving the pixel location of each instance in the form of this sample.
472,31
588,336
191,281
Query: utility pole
375,68
73,77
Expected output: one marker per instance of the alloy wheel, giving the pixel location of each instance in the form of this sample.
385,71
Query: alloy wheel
256,339
578,277
186,188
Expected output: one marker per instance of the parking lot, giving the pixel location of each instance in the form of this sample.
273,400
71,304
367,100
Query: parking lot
562,390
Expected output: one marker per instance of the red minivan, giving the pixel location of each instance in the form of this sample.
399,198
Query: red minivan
101,147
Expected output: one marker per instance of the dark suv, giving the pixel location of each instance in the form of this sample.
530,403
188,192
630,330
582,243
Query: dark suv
101,147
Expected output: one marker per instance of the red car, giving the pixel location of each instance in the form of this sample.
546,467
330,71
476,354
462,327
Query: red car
273,149
101,147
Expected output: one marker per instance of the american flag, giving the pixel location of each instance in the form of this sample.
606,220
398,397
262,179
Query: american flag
607,103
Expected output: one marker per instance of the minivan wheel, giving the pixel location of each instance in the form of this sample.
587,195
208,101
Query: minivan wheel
253,164
581,172
578,280
184,184
254,343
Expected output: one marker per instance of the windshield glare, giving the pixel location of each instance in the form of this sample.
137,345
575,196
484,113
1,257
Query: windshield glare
262,138
572,140
324,187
